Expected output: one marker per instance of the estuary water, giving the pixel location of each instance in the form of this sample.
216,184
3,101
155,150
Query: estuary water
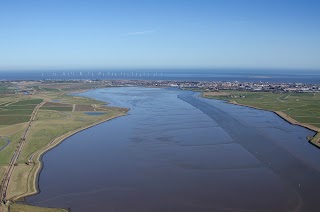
178,152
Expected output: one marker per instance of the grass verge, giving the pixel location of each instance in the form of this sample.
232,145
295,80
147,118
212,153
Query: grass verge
28,208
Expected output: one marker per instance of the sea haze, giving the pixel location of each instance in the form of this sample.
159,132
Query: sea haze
286,76
176,151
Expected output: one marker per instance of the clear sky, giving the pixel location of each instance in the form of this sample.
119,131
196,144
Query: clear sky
85,34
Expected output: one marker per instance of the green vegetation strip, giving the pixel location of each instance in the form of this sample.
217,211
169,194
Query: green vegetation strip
57,108
16,112
9,120
28,102
50,89
29,208
19,107
316,140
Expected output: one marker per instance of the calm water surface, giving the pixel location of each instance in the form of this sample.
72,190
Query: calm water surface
178,152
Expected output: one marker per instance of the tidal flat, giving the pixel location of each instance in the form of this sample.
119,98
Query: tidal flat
176,151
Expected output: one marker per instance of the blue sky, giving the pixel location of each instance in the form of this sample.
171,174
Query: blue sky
102,34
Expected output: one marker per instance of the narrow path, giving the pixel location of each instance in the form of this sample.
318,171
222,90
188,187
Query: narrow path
9,103
280,99
287,96
73,107
7,176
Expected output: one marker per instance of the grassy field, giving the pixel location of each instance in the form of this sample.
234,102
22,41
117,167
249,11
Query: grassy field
27,102
17,110
303,108
13,119
26,112
54,122
7,152
18,107
27,208
3,142
57,108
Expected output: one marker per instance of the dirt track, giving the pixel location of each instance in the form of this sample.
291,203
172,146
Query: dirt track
7,176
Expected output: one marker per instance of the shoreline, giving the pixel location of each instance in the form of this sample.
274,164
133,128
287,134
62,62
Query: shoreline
315,139
34,188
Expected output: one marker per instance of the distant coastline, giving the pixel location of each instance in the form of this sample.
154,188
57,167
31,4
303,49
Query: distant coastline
241,75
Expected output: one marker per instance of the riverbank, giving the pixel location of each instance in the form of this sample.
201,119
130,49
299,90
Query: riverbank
315,140
55,122
33,188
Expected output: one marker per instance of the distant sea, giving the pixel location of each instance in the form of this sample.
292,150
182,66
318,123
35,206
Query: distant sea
287,76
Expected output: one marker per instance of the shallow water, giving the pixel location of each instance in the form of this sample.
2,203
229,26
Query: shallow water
178,152
93,113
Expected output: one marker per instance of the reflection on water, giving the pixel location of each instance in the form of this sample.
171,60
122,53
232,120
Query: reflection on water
177,152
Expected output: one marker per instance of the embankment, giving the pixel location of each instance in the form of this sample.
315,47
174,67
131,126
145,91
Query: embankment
33,177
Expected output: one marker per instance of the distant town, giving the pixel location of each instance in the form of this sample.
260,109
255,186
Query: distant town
195,85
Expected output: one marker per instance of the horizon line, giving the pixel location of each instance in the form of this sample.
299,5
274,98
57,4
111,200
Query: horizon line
162,69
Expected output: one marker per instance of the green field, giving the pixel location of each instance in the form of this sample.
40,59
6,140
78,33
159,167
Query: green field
13,119
57,108
303,107
13,111
6,153
3,142
23,208
41,88
67,99
18,107
27,102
